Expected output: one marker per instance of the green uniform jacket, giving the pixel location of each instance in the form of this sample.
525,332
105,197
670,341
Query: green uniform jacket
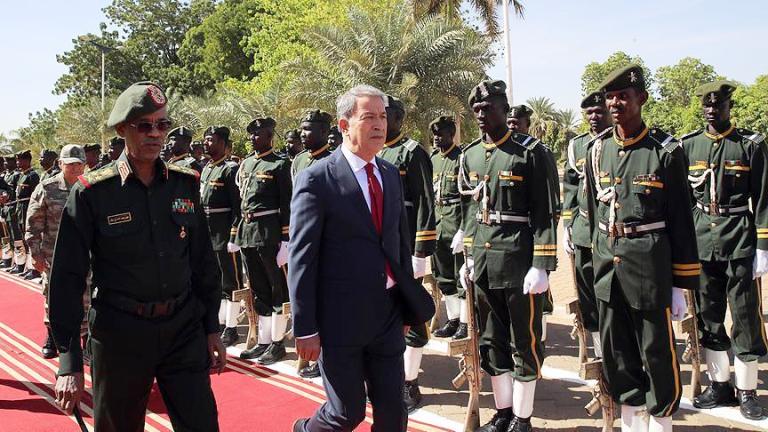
648,176
146,243
187,161
52,171
220,198
416,177
574,191
12,180
738,161
305,158
553,178
265,186
516,184
28,181
446,187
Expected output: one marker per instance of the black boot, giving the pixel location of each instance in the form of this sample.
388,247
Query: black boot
273,354
24,274
520,425
32,274
499,423
11,269
462,332
749,406
448,330
49,348
254,352
19,269
411,395
229,336
5,263
715,395
311,371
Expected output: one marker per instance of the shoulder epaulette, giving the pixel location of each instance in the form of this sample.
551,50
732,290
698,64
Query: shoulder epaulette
473,143
183,170
664,140
49,180
601,135
410,144
230,163
755,137
92,177
434,151
691,134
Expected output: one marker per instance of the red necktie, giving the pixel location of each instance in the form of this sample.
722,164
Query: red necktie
377,204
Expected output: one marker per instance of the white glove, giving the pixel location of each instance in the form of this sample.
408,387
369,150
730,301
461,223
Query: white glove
232,248
468,266
419,266
679,304
760,266
457,244
536,281
567,245
282,254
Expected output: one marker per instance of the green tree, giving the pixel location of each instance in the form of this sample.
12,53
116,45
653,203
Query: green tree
595,72
40,133
486,9
750,109
676,84
543,118
81,122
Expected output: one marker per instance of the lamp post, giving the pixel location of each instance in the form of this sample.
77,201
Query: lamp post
507,49
104,50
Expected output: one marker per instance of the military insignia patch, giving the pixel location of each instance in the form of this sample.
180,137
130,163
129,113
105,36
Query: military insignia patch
713,97
632,77
157,95
183,206
119,218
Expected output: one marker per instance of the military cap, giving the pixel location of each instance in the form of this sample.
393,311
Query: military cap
9,157
260,123
593,99
624,77
442,122
196,144
292,133
48,152
24,154
137,100
317,116
91,147
487,89
395,104
717,91
220,131
72,153
519,111
181,131
117,141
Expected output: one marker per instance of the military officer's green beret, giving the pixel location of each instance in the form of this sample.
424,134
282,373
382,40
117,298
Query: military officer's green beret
117,141
91,147
519,111
260,123
137,100
317,116
396,104
442,122
487,89
593,99
717,91
624,77
24,154
48,152
181,131
220,131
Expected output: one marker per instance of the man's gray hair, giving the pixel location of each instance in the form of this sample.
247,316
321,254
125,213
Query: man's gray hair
345,104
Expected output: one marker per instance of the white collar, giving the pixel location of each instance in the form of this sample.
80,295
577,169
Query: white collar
356,162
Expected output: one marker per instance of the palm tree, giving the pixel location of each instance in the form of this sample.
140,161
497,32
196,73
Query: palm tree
487,9
543,116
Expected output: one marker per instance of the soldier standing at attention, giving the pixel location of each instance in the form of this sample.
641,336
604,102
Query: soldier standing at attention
576,235
179,140
28,180
314,138
728,168
448,258
92,153
5,232
12,176
335,138
293,144
48,159
265,191
220,199
644,253
139,225
43,216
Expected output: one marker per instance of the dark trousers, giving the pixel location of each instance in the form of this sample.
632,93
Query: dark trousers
726,283
639,357
267,280
585,278
231,265
128,353
348,370
417,335
445,269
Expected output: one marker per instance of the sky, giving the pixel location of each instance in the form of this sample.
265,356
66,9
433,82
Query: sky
550,46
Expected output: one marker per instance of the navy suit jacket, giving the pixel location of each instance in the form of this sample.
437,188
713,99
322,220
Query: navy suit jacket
336,277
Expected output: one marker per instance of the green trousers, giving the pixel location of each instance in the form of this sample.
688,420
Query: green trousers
418,335
585,279
445,269
267,280
231,265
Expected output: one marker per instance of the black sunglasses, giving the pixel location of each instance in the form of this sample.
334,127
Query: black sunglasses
146,127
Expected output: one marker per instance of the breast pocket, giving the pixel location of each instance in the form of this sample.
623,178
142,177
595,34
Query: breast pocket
119,230
736,175
649,199
511,189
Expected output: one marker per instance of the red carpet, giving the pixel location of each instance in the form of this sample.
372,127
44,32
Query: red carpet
249,397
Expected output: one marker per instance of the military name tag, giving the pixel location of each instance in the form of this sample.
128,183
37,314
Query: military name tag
119,218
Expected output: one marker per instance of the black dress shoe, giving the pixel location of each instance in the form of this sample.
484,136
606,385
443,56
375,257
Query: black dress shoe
519,425
273,354
229,336
462,332
24,273
715,395
49,348
32,274
18,270
311,371
298,425
411,395
11,269
254,352
5,263
448,330
749,406
499,423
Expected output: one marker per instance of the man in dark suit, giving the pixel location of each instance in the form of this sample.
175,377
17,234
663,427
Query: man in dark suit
349,209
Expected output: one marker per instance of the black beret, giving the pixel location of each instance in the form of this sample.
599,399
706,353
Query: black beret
292,132
593,99
137,100
317,116
442,122
196,144
519,111
116,141
259,123
48,152
624,77
396,104
487,89
334,130
24,154
92,147
717,91
220,131
181,131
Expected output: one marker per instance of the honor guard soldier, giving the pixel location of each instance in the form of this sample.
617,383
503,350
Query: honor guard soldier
9,178
28,180
178,143
265,191
335,138
293,144
197,150
314,138
92,153
644,253
12,176
139,226
220,198
448,258
509,227
48,162
115,147
727,170
576,234
5,233
416,177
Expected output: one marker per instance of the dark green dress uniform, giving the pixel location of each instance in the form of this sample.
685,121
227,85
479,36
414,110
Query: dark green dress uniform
446,264
265,191
50,172
187,161
306,158
643,244
575,219
158,294
726,172
416,177
220,198
28,181
509,225
12,180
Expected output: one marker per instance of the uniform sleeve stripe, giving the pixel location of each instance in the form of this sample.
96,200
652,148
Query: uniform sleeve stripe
544,253
696,266
762,230
545,247
426,238
762,236
686,272
418,233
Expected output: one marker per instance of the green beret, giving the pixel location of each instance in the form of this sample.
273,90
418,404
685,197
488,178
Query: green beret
117,141
593,99
181,131
220,131
24,154
442,122
396,104
487,89
624,77
260,123
92,147
317,116
137,100
717,91
519,111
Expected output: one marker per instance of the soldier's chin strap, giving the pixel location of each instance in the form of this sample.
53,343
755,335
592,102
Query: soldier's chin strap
697,181
604,195
466,189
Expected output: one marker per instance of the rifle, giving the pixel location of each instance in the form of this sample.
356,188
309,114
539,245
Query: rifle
573,307
253,318
692,351
79,418
300,362
601,397
469,364
431,286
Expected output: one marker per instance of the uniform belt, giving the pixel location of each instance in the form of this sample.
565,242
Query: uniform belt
500,218
722,210
17,201
249,216
210,210
448,201
408,203
144,310
630,230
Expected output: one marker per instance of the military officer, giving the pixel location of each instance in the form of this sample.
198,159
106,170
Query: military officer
9,179
727,170
178,144
447,258
28,180
509,227
314,138
48,162
265,191
139,225
197,150
335,138
415,174
12,175
576,235
220,198
5,235
644,253
92,153
293,144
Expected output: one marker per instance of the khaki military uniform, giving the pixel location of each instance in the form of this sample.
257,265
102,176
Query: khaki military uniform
446,264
